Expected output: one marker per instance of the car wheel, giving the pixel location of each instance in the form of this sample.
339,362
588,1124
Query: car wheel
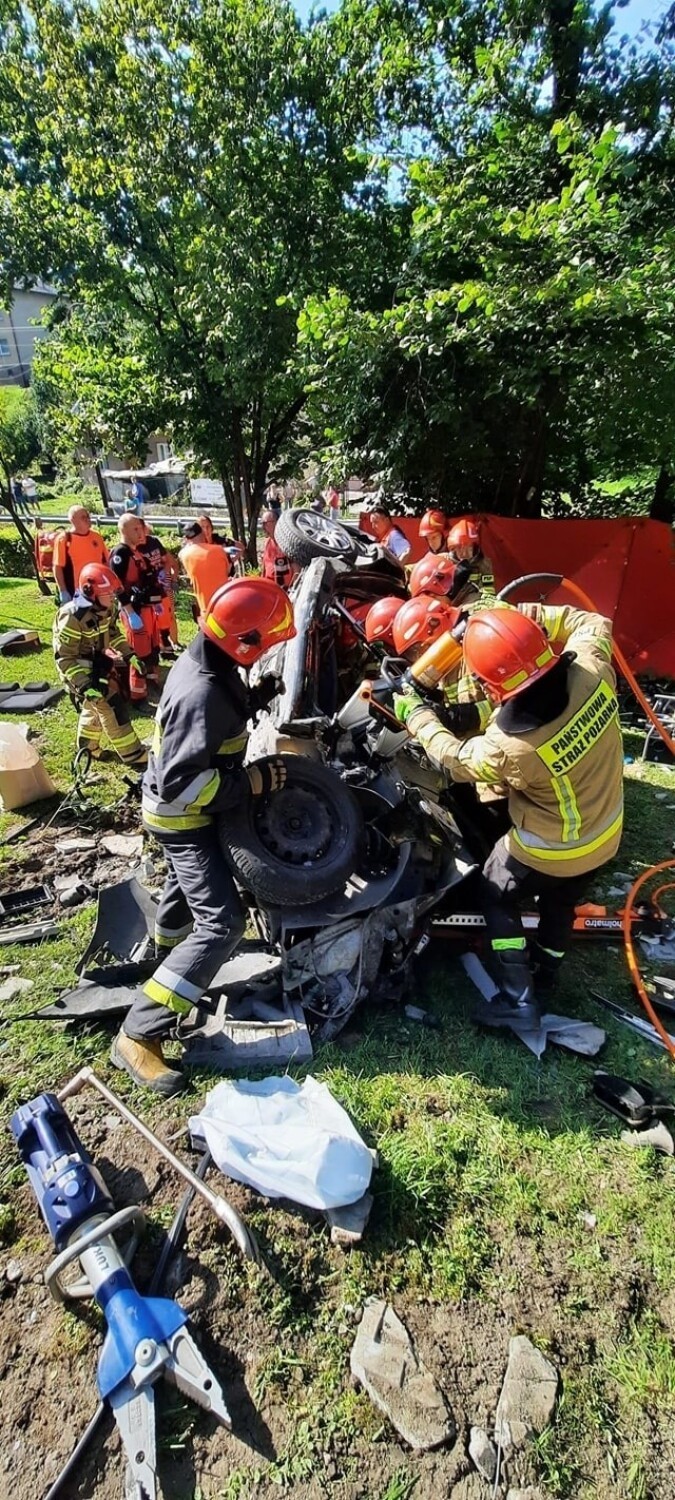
300,844
306,534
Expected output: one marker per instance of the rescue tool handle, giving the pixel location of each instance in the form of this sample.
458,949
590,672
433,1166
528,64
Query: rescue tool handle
223,1210
133,1216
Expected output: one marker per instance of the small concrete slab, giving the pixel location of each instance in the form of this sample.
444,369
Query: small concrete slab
348,1224
483,1453
384,1362
225,1043
528,1395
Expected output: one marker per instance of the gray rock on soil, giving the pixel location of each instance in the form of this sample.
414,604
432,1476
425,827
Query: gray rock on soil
483,1453
384,1362
531,1493
528,1395
472,1487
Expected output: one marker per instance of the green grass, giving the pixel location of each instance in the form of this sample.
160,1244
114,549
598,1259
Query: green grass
489,1161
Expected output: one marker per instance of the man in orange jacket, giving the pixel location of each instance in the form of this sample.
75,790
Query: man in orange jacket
206,563
73,549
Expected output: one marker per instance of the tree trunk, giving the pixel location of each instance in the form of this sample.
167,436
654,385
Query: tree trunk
25,537
662,507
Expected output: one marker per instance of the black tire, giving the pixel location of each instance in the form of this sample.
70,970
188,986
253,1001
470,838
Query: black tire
306,534
298,845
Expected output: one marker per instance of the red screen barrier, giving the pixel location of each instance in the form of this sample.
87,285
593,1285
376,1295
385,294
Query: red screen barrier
627,567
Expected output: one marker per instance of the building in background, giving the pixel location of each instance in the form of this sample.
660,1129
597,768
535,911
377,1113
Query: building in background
20,330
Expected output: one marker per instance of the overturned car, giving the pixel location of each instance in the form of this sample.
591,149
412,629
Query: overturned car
347,862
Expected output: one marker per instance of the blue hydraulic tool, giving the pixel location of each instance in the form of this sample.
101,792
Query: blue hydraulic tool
147,1336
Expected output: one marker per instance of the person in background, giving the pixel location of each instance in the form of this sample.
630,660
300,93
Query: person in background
207,565
73,549
18,498
137,497
465,548
334,502
318,504
274,502
387,534
433,529
215,538
29,493
140,593
273,563
167,572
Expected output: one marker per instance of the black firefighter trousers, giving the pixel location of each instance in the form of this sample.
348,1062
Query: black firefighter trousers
198,926
506,883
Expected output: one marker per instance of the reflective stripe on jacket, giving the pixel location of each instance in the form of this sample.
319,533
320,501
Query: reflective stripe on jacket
564,778
80,634
195,766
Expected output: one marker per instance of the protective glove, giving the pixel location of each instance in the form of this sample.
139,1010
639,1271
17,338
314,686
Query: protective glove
138,600
406,702
64,596
133,619
138,665
92,694
265,691
266,776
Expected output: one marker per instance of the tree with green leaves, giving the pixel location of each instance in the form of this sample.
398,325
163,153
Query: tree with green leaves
529,340
185,174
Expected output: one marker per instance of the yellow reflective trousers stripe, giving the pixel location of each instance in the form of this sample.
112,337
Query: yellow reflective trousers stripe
164,823
163,996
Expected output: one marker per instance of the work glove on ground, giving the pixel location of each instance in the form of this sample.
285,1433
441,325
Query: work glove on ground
265,691
406,702
267,776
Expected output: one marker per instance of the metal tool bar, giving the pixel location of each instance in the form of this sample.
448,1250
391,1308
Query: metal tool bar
223,1210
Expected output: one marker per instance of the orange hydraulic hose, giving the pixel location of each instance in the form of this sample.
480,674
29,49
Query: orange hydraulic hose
666,864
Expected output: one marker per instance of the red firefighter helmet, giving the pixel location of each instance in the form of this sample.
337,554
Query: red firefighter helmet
506,650
96,578
421,620
434,523
435,574
246,617
380,618
464,540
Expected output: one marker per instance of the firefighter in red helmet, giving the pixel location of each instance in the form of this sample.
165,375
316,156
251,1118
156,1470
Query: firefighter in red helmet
433,529
92,656
196,772
553,746
465,548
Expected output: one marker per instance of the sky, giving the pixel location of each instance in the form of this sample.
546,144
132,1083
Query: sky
629,19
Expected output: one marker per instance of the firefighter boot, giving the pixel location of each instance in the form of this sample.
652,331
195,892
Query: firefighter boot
145,1063
514,1005
545,967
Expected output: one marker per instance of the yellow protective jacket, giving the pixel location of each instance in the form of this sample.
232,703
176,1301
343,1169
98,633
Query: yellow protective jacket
80,634
564,779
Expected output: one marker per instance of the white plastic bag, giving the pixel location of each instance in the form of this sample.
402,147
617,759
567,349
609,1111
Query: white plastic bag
23,777
285,1140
